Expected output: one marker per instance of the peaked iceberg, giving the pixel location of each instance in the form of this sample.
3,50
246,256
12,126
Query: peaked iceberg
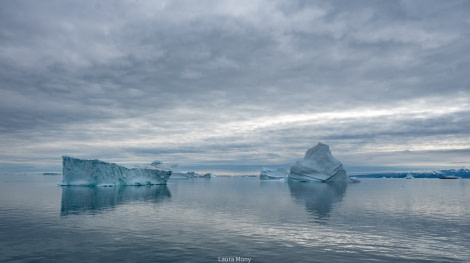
95,172
319,164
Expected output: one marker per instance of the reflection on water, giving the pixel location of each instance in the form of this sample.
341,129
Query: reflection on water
318,198
78,199
377,220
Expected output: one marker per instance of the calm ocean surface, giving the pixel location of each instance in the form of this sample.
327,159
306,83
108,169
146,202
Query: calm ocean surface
224,219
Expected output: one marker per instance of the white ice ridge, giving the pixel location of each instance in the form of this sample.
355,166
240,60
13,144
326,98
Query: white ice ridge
95,172
319,164
273,174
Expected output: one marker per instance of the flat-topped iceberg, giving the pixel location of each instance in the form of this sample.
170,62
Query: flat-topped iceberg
95,172
273,174
319,164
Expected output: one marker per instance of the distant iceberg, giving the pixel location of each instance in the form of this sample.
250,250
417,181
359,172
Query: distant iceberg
98,173
319,165
186,175
273,174
162,166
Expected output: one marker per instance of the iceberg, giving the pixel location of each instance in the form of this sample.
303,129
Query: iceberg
163,166
319,165
182,175
98,173
273,174
207,175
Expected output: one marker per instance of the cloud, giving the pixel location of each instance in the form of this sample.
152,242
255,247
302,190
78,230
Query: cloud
212,81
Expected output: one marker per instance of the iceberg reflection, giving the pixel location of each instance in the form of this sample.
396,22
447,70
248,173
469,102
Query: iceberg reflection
77,199
318,198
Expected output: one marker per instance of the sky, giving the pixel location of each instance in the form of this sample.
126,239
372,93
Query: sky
229,86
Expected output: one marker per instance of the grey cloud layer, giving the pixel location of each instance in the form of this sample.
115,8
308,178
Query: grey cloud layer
255,81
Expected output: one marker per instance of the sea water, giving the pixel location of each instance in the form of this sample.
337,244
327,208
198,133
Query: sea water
235,219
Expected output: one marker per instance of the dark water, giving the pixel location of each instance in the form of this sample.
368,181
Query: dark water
224,219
